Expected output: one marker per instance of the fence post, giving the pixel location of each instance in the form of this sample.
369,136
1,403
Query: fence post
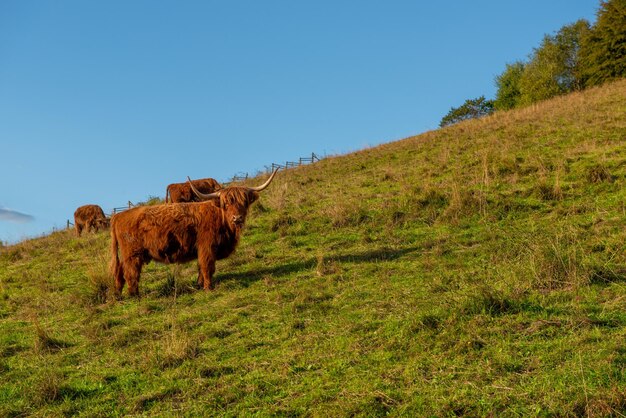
68,224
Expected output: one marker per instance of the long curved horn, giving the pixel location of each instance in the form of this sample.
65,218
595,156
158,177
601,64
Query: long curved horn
264,185
201,195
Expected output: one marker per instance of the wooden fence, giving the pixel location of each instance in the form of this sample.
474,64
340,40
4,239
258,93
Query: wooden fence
302,160
121,209
288,164
240,178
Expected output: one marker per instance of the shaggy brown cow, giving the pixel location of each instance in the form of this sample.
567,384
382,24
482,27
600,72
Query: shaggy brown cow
181,192
180,232
89,217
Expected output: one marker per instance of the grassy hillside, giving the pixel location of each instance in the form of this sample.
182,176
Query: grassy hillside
474,270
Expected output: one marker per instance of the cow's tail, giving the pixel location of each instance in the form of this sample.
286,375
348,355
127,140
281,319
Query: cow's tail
115,260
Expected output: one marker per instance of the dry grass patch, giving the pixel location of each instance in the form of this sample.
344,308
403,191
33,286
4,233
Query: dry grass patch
557,262
100,287
46,388
176,347
347,213
599,173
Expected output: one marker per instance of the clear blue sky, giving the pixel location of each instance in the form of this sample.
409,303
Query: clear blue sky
109,101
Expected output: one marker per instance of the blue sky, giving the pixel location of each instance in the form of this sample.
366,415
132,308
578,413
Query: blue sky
109,101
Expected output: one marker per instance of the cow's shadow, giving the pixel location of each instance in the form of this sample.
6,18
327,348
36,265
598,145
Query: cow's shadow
247,277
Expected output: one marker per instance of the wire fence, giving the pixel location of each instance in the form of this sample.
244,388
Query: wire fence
243,177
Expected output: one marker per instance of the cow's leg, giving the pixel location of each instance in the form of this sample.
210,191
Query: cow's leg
200,278
79,228
119,280
209,283
204,272
132,271
206,267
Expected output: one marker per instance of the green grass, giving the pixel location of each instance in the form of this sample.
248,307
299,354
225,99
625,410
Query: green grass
475,270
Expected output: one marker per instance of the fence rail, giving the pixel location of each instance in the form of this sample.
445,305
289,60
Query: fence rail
122,208
275,166
240,178
288,164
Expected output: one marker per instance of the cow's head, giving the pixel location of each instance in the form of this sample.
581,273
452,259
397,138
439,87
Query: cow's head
104,222
234,201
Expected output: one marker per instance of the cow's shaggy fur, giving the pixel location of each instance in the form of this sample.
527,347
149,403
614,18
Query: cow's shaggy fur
178,233
181,192
89,217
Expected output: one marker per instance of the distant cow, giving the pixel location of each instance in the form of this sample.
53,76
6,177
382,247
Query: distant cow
89,217
181,192
180,232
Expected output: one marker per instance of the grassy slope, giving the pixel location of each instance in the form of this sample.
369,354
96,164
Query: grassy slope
471,270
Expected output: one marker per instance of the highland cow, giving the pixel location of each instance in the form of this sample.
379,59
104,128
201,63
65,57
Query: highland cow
89,217
180,232
181,192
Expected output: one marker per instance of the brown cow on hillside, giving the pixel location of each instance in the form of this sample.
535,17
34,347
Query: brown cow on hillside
89,217
181,192
180,232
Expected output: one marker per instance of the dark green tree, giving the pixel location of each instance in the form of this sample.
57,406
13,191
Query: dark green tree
472,108
508,94
553,67
603,49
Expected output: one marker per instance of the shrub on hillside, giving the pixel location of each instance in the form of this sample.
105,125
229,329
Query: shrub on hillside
471,109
